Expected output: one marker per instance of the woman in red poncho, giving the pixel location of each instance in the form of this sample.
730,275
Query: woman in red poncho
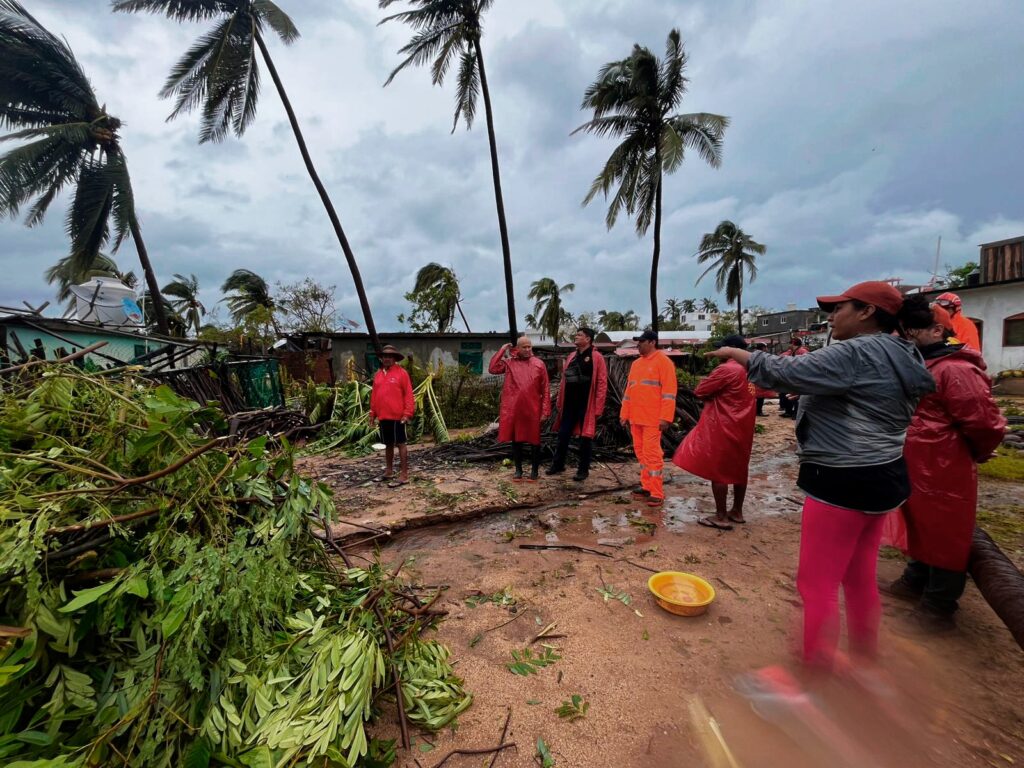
954,429
525,401
718,448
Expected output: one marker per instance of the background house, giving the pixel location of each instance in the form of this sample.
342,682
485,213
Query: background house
994,300
336,356
26,335
776,328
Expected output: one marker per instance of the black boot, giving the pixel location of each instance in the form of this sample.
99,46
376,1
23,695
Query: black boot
517,458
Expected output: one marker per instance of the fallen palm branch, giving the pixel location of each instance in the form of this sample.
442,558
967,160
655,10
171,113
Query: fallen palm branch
167,602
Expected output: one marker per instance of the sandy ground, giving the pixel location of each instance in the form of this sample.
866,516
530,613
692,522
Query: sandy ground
944,701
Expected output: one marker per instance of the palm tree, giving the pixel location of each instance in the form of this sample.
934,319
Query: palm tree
68,139
547,304
444,28
186,303
673,311
441,285
618,321
731,252
709,305
247,293
635,98
689,306
220,73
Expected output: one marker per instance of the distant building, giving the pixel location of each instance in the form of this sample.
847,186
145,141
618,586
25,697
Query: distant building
336,356
994,300
776,328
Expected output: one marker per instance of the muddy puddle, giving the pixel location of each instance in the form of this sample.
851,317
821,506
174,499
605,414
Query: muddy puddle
612,522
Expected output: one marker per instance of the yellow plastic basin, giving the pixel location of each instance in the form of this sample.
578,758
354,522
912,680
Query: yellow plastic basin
681,593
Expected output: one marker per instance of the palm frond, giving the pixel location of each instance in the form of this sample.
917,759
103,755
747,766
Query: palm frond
41,168
276,19
467,91
672,81
123,204
423,47
177,10
88,218
38,71
703,132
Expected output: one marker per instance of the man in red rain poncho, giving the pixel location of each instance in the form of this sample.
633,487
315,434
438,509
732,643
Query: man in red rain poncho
964,330
525,401
718,448
953,429
392,404
648,408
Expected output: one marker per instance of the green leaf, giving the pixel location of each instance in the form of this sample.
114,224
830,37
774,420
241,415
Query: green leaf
36,738
138,586
86,597
426,747
257,758
198,755
172,621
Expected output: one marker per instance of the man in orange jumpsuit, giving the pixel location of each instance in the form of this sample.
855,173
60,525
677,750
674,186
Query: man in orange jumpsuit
648,408
964,330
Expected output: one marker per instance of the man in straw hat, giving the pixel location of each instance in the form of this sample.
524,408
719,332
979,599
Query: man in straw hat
392,405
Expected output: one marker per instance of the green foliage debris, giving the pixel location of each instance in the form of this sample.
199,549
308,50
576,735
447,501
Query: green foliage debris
165,599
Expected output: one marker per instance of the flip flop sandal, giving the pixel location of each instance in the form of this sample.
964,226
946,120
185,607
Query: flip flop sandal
710,522
398,483
742,521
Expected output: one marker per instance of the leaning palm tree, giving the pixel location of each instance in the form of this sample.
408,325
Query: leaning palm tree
442,286
547,304
445,29
635,98
246,292
185,300
708,305
731,252
221,75
67,139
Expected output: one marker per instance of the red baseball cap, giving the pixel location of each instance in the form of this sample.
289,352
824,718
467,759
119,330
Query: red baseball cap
874,292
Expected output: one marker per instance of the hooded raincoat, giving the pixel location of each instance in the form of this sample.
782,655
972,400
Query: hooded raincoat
718,448
953,429
966,331
595,402
525,397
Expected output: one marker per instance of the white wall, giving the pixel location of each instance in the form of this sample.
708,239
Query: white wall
992,304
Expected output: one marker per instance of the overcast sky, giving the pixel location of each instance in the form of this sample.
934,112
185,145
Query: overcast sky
862,130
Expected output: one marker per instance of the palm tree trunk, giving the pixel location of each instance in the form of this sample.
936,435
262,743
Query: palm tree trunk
657,245
458,306
499,201
739,312
364,303
156,300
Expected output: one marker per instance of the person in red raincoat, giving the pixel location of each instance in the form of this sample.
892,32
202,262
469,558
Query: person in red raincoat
718,448
525,401
953,429
581,399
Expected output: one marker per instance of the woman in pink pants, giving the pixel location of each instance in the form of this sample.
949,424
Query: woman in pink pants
857,398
